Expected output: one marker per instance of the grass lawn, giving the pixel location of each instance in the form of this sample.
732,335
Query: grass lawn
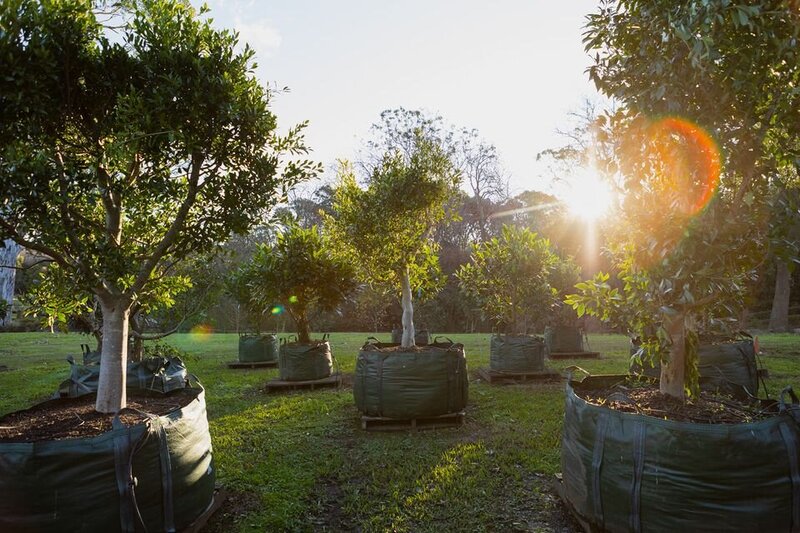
300,461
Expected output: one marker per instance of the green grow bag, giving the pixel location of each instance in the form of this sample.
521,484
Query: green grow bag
422,337
629,472
90,357
258,348
720,365
413,384
518,354
159,374
163,468
305,362
564,339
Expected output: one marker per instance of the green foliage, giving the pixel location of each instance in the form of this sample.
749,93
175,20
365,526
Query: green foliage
120,157
695,219
387,227
302,273
516,278
4,308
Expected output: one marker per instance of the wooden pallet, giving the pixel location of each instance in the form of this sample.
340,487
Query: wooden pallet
252,364
380,423
279,385
492,376
216,502
574,355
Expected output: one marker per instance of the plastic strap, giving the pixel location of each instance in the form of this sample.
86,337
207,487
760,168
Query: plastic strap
436,339
124,473
325,336
790,442
166,474
372,339
380,384
782,398
638,469
597,463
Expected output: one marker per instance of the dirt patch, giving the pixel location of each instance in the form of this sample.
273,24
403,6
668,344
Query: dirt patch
76,418
325,511
708,408
534,507
234,509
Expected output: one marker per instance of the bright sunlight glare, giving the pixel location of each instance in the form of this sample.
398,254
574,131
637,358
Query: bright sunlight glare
589,197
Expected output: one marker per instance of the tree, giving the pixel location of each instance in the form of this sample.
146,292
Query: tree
121,156
706,121
387,227
515,279
301,273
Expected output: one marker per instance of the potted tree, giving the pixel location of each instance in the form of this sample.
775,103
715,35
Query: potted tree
692,237
510,279
301,274
120,157
386,229
563,335
255,349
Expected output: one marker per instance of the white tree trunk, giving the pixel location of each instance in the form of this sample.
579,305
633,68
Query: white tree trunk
408,313
673,371
111,392
8,258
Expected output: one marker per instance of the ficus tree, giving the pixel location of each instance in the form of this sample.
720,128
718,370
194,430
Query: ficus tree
708,117
515,279
128,143
387,227
302,274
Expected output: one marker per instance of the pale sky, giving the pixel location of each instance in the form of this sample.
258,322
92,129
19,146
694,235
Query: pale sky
512,69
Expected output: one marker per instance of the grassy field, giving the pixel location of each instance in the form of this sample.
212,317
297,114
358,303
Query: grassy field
300,461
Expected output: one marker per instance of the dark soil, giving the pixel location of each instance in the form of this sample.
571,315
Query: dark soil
234,509
76,418
708,408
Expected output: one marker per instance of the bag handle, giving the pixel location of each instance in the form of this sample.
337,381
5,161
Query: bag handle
782,400
436,339
571,369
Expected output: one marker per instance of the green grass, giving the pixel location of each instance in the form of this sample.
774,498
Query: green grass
311,468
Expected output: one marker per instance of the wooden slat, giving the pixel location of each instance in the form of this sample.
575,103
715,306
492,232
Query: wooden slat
253,364
379,423
574,355
276,385
218,499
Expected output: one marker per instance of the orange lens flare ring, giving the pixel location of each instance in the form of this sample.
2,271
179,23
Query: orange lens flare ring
689,159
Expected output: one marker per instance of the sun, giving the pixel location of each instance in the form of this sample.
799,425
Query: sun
589,197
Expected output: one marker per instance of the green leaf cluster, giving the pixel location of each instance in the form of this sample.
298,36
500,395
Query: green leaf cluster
517,279
387,227
301,273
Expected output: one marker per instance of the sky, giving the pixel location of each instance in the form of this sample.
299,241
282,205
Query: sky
512,69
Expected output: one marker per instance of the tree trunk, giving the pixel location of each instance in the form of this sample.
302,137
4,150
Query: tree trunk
8,258
137,350
408,313
673,371
779,317
111,391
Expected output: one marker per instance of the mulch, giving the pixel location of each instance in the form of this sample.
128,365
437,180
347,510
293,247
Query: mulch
708,408
77,418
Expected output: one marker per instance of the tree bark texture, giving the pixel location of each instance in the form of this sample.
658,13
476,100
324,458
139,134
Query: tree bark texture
111,392
8,258
779,317
673,371
408,312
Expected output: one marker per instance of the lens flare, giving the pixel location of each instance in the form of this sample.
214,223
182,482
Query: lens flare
277,310
293,299
201,332
689,161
